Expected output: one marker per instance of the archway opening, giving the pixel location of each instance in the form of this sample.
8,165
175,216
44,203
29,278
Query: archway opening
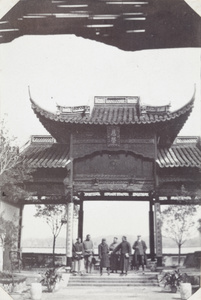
106,219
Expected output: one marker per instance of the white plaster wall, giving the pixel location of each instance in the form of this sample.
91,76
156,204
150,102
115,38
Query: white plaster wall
10,212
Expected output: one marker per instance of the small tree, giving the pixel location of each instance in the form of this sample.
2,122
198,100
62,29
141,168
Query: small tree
8,232
14,170
178,223
53,215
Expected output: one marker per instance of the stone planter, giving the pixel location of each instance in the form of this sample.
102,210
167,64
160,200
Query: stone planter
64,281
185,290
18,281
36,291
56,287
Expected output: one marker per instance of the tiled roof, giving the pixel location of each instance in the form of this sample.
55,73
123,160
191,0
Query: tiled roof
57,155
179,156
114,115
47,156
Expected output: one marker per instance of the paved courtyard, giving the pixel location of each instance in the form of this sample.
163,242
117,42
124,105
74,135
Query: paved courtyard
94,293
97,292
143,293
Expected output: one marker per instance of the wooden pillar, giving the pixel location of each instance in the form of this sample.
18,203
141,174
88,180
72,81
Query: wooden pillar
69,233
158,234
70,209
151,229
81,218
20,227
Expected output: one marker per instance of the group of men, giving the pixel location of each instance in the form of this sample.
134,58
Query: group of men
114,257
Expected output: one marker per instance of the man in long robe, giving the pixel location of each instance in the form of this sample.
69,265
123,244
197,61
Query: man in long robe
125,252
114,258
78,257
88,253
103,253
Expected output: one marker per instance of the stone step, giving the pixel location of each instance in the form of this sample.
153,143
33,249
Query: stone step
87,284
106,277
113,280
80,278
118,275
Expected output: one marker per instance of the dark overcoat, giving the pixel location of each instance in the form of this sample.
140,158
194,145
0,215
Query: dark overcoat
125,249
103,252
136,253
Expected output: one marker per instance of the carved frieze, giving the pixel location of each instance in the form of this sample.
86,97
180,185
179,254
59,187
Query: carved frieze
113,164
106,177
87,140
87,147
138,141
121,186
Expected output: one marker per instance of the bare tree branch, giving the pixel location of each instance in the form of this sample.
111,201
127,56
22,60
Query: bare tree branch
177,223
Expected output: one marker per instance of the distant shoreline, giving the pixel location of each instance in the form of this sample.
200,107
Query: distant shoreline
61,250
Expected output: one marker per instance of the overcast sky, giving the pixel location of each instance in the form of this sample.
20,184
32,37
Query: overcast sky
70,71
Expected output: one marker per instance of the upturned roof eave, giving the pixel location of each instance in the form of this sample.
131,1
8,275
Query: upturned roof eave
88,121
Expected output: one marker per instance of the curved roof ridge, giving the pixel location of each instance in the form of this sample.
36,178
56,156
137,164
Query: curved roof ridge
186,106
90,119
41,110
54,123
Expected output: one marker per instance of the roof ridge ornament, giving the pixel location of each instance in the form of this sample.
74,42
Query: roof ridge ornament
116,100
83,109
146,109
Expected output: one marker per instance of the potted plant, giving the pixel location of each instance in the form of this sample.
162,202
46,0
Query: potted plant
173,279
51,278
13,284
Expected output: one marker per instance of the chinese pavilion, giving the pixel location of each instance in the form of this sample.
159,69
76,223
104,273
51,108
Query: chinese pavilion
121,150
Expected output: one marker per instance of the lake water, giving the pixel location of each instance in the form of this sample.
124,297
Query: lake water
63,250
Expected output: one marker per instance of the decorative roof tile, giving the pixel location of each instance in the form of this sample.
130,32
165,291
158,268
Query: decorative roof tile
47,156
180,156
122,110
41,155
113,115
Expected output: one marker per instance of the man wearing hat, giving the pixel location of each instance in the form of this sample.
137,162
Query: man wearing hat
78,257
88,253
103,253
125,249
140,253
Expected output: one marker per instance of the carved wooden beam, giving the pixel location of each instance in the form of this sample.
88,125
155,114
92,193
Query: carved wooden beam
128,25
